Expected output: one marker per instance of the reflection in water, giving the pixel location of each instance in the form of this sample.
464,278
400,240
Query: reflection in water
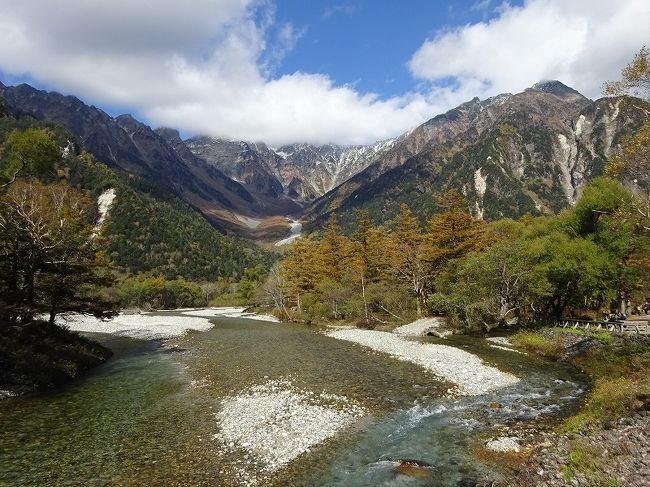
147,417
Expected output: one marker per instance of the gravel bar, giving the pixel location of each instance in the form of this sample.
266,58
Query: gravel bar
142,326
468,371
229,312
421,327
275,422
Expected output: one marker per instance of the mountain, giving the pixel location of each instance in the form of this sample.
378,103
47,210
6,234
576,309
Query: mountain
146,227
325,167
160,156
301,172
511,154
530,152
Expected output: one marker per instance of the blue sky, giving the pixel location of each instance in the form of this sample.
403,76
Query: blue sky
369,43
284,71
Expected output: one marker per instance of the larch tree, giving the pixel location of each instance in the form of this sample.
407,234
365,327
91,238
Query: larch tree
453,232
302,268
408,262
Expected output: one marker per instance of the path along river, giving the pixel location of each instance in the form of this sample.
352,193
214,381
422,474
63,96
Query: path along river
168,415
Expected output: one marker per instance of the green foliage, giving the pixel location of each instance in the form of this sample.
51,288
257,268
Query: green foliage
150,293
550,345
250,282
150,231
541,268
30,152
479,276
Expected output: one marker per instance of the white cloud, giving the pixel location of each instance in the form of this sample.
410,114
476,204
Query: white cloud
210,67
204,68
582,43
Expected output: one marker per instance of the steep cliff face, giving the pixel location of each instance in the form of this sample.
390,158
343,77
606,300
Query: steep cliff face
324,167
249,164
301,172
509,155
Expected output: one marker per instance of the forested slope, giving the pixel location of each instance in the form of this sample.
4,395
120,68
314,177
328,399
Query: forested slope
148,228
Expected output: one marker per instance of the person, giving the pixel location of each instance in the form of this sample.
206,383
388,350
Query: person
646,307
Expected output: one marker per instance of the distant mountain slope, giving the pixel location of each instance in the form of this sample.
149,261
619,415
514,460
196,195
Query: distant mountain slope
302,172
125,143
509,155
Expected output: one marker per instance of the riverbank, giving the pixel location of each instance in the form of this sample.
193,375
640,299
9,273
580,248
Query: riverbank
38,356
230,312
606,442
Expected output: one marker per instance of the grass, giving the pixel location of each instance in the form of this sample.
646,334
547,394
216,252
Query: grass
550,346
228,299
588,460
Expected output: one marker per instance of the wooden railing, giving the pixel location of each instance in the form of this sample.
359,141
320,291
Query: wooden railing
638,327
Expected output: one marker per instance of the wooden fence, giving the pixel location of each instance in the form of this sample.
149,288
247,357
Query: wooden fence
632,327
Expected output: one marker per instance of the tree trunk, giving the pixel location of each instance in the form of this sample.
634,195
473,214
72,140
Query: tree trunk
53,314
363,293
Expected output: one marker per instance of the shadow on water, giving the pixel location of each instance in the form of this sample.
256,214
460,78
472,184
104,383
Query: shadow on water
147,416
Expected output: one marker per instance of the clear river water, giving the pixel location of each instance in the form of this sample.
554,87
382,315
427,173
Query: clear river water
147,416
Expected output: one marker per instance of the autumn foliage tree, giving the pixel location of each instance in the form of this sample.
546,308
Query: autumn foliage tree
631,162
50,257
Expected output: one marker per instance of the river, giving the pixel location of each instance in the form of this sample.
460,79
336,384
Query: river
149,416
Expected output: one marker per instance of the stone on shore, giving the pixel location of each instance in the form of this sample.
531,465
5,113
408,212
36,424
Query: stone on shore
503,444
423,327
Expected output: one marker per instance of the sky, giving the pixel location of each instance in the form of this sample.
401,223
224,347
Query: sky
285,71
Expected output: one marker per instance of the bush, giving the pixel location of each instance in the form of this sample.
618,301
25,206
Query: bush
159,293
43,355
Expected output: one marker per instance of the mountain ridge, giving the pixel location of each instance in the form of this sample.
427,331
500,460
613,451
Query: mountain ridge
508,154
554,139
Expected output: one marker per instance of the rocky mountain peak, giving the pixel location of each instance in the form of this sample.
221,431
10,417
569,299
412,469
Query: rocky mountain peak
557,88
169,134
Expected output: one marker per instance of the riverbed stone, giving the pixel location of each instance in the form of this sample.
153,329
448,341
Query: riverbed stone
503,444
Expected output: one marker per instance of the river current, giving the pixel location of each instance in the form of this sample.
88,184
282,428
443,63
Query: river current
147,416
